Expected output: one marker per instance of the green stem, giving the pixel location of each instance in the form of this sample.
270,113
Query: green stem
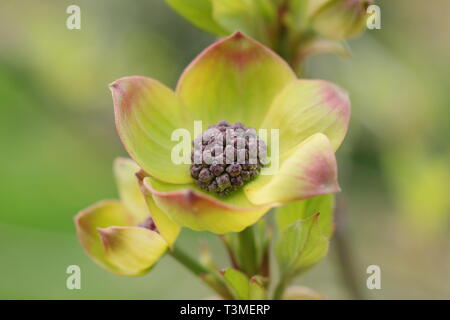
231,254
248,251
279,43
208,276
191,264
279,289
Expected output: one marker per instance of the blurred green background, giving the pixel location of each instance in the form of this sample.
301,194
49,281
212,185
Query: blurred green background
58,142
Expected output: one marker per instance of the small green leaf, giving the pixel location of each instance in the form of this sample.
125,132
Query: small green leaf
243,287
218,284
256,289
238,282
301,245
293,211
199,13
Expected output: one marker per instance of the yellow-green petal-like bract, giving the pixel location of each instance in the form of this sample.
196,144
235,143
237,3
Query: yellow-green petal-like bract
133,250
309,170
190,207
100,215
128,187
307,107
147,112
235,79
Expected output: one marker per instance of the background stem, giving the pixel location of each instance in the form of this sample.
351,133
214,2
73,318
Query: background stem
344,253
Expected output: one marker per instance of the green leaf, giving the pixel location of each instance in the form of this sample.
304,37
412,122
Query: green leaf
218,284
199,13
244,288
296,16
256,289
263,236
238,282
301,246
293,211
253,17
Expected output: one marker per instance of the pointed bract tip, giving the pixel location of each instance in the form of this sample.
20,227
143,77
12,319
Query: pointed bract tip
104,233
238,35
190,195
114,86
256,279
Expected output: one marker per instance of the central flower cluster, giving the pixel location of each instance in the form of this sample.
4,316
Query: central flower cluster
226,156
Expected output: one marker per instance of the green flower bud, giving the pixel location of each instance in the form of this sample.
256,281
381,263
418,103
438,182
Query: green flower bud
340,19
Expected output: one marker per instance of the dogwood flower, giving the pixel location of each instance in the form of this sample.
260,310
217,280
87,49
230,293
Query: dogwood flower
125,237
236,80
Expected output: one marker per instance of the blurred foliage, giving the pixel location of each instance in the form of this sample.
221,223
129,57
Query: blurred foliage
58,141
295,29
